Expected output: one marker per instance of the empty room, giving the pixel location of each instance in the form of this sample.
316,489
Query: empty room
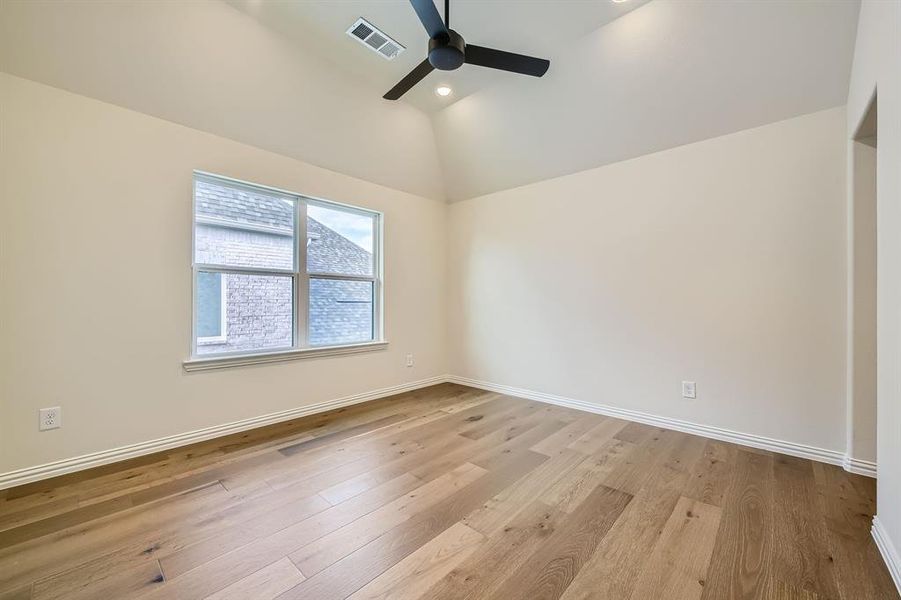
450,299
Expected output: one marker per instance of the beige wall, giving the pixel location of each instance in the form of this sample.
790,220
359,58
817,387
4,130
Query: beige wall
877,64
95,241
862,303
206,65
720,262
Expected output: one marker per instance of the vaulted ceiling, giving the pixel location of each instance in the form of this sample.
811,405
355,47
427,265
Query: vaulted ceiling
543,28
666,74
626,79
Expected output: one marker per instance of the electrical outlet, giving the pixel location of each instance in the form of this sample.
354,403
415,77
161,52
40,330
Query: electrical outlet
50,418
409,360
689,390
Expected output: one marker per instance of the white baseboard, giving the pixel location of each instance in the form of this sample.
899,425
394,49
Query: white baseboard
833,457
96,459
889,551
861,467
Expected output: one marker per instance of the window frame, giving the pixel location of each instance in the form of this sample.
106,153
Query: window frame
300,276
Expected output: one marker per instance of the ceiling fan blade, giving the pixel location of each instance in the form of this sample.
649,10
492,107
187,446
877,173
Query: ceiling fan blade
430,17
412,78
506,61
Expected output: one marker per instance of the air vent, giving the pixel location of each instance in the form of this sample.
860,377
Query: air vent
390,50
361,31
375,41
378,41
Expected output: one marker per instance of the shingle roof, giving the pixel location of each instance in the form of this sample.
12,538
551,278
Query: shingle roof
330,252
327,250
242,206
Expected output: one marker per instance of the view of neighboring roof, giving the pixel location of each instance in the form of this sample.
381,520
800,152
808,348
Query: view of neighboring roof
243,206
327,250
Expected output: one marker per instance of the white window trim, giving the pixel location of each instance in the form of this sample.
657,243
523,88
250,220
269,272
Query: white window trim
224,361
301,278
222,338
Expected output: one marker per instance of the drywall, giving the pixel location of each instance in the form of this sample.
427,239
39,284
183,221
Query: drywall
862,303
318,26
95,264
663,75
208,66
721,262
877,65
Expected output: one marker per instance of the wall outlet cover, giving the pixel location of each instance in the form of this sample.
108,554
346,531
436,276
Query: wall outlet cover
689,390
50,418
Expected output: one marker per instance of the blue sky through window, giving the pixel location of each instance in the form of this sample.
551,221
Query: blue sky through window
355,227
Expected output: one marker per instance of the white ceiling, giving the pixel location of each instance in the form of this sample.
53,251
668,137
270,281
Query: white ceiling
537,28
626,79
666,74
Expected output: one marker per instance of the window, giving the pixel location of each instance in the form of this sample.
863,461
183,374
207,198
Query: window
211,298
277,272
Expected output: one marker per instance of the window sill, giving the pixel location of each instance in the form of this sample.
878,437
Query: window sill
243,360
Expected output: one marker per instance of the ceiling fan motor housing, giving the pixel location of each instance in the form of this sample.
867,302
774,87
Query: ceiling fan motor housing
447,53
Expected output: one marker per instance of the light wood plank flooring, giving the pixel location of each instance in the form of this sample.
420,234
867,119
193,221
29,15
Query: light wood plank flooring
447,492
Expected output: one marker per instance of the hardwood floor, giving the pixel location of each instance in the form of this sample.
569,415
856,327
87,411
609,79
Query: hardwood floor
447,492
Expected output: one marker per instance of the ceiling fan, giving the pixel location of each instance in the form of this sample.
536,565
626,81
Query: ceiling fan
448,51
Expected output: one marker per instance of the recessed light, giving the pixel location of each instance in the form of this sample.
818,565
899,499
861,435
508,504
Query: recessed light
619,1
443,90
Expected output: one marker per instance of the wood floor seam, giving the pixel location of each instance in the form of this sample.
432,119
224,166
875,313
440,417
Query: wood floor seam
449,493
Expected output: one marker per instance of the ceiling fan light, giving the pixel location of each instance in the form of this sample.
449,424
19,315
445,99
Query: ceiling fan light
443,90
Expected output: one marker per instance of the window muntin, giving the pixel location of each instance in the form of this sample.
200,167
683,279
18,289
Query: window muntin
258,290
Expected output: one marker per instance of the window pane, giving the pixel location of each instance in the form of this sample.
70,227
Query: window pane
340,312
209,305
339,241
236,227
258,312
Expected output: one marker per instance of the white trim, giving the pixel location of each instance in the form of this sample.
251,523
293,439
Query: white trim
718,433
239,270
859,466
252,187
341,277
889,551
301,318
96,459
224,361
300,305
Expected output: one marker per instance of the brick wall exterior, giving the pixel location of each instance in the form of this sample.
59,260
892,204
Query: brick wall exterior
259,309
